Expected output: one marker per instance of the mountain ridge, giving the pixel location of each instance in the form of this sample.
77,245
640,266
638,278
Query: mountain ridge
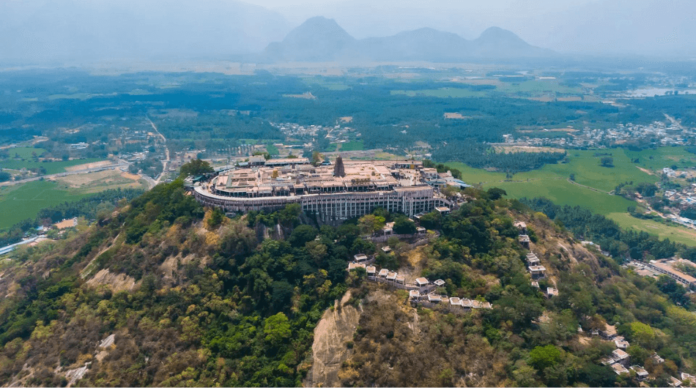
323,39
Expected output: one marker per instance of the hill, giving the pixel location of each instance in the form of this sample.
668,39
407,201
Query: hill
321,39
165,293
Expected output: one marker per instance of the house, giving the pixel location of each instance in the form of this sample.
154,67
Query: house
481,305
641,373
386,249
532,259
443,210
537,271
439,282
551,291
383,272
414,294
688,380
609,332
535,284
620,356
360,257
621,343
400,279
665,267
524,240
432,298
421,282
619,369
352,266
657,358
391,276
674,382
521,226
454,301
69,223
420,230
371,270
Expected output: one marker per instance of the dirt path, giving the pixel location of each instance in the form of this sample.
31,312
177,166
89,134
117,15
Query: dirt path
329,349
165,162
588,187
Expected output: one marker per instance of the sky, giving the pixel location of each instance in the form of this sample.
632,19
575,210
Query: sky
599,27
77,31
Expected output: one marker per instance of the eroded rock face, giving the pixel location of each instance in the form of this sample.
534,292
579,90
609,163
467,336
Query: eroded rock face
330,348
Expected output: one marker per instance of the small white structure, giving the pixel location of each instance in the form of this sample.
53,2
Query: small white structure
443,210
371,270
360,257
439,282
620,356
641,373
352,266
421,282
400,279
454,301
621,343
619,369
532,259
537,270
414,294
432,298
420,230
551,291
391,276
386,249
383,272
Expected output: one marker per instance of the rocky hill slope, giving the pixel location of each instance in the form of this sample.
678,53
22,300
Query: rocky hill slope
166,293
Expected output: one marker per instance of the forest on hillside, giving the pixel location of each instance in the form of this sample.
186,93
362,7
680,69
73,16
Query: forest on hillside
202,299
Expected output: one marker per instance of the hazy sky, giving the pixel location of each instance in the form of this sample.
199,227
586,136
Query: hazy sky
72,31
650,27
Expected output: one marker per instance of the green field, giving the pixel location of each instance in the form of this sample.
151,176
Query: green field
51,167
440,93
323,82
273,150
537,86
593,183
20,202
25,152
352,146
673,233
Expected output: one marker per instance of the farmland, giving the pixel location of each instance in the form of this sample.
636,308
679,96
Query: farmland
592,184
18,203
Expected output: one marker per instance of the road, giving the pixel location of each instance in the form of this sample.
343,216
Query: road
120,164
165,163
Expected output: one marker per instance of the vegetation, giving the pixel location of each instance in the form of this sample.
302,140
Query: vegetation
195,167
526,339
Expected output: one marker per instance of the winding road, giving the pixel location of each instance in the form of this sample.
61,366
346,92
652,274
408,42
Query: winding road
165,162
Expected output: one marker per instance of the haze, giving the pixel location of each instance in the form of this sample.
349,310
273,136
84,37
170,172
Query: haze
76,31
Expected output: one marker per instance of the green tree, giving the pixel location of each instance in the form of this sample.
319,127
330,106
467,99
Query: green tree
195,167
277,328
403,225
495,193
370,223
542,357
607,161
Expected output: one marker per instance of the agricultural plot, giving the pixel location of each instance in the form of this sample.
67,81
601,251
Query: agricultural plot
592,184
51,167
18,203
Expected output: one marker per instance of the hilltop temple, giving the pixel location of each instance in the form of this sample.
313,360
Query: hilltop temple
345,190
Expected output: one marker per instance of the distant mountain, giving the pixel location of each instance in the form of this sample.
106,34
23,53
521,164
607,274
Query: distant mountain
496,42
317,40
78,31
320,39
